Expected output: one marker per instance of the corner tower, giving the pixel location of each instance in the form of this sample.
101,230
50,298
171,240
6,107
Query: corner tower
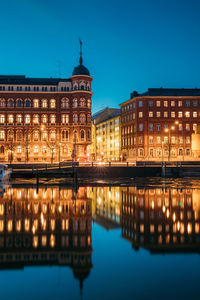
81,106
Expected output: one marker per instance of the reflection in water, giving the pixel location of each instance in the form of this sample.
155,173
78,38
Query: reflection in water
52,225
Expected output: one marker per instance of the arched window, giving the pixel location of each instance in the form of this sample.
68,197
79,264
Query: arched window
19,135
44,135
36,149
19,119
88,88
89,103
2,119
67,135
75,102
75,118
53,119
82,102
44,119
2,149
10,103
63,135
82,87
28,103
10,119
82,135
10,135
36,135
2,102
89,119
65,103
53,103
2,135
35,103
75,139
82,118
44,103
27,119
65,150
89,134
19,102
75,87
36,119
53,135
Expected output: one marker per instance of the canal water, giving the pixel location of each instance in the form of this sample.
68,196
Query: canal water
138,240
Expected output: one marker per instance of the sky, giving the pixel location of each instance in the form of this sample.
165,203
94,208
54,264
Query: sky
127,44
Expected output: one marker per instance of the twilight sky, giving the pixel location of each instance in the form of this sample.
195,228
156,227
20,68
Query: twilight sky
127,44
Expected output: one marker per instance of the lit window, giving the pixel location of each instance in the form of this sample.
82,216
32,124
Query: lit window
19,149
65,103
150,139
36,119
2,135
89,103
75,118
82,118
158,103
150,114
44,149
172,103
27,119
194,114
165,103
35,103
165,114
173,139
158,140
179,103
44,118
53,119
44,103
180,114
158,114
2,119
187,139
10,119
173,114
65,118
19,119
82,102
187,114
36,149
180,127
53,103
75,102
9,225
53,135
187,127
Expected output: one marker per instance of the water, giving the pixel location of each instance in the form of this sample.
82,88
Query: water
135,241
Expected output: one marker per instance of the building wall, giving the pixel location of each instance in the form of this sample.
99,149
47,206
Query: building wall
159,127
41,126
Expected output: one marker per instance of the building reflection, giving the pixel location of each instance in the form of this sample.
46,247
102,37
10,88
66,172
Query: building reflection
48,226
161,219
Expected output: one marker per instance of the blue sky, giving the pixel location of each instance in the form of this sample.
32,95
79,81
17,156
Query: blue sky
127,45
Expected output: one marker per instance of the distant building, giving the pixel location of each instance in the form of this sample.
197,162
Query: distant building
40,118
161,124
106,135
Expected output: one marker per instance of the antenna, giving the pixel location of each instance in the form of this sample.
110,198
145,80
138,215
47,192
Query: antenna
81,59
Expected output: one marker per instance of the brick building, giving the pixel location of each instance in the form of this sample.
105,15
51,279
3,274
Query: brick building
45,119
161,124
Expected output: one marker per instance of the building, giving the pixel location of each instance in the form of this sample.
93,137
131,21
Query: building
106,135
45,119
161,124
161,220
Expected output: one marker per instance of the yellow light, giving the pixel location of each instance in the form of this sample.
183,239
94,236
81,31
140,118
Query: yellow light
99,200
167,213
60,208
174,217
166,130
33,229
176,122
172,127
178,225
164,209
152,204
189,228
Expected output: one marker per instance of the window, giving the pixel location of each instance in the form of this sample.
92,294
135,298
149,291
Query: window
36,119
28,103
150,139
35,103
140,104
2,135
27,119
140,114
187,127
19,119
75,102
36,135
180,114
173,139
82,118
19,135
158,103
150,127
53,135
2,119
172,103
165,139
82,135
10,103
82,102
75,118
150,103
150,114
194,103
187,114
141,152
19,149
180,127
194,114
158,140
19,103
151,152
89,135
2,149
2,102
65,103
88,119
140,127
10,119
165,114
158,127
53,103
165,103
158,114
187,103
44,149
188,152
44,118
89,103
187,139
65,118
53,119
44,135
44,103
141,139
173,115
36,150
180,103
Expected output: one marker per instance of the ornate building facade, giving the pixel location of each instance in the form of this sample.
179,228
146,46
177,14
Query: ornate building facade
45,119
161,124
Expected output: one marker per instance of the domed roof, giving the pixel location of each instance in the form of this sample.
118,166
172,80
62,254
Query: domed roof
81,70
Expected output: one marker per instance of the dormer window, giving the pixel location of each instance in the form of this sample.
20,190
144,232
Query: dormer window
75,87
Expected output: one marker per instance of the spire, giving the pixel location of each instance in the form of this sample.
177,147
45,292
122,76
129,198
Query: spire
81,58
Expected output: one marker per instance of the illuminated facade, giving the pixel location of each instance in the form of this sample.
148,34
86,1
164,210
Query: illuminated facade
106,135
42,118
46,227
161,219
161,124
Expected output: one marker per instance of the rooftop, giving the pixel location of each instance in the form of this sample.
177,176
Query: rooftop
23,80
105,114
